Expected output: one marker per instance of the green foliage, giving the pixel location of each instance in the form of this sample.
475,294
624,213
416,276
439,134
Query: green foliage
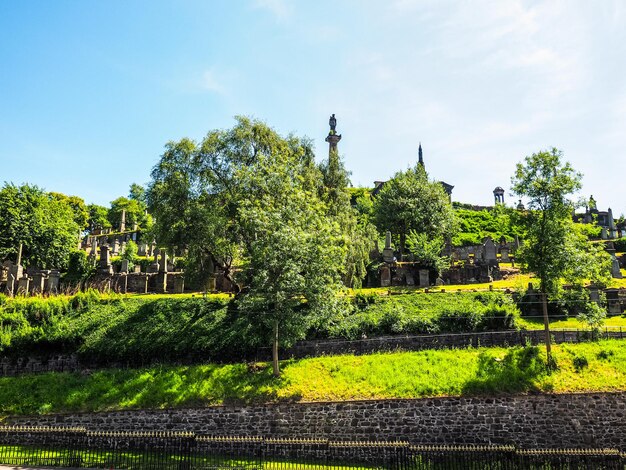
137,193
79,267
496,223
620,244
427,250
44,225
371,315
135,213
591,231
550,245
98,217
409,201
357,233
130,251
77,204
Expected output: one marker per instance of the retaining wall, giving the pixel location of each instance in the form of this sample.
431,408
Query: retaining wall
527,421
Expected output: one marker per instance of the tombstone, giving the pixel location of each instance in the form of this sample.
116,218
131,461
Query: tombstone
424,276
439,282
163,263
37,284
489,251
603,233
179,285
142,249
137,268
388,251
463,254
22,285
94,248
385,276
122,247
123,221
211,285
135,227
105,260
116,247
504,255
52,283
124,266
615,271
613,303
134,236
410,280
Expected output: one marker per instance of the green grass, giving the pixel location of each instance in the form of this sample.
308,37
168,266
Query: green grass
597,366
613,322
140,329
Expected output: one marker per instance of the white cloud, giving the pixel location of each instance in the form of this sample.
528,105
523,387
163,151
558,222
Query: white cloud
281,9
210,82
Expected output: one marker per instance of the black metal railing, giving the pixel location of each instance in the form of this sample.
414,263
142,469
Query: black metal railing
78,447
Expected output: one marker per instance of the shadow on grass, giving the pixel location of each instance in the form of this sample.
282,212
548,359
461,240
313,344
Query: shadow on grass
518,370
154,387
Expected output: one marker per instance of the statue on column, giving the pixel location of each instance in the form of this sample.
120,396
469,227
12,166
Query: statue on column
333,123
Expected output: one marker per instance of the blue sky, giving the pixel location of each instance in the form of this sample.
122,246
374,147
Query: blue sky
90,91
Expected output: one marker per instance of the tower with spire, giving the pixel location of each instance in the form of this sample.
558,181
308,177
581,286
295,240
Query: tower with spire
421,156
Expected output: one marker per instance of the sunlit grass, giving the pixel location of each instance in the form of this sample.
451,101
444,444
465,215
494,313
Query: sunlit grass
599,366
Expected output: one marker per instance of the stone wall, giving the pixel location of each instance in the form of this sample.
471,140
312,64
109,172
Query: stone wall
527,421
10,366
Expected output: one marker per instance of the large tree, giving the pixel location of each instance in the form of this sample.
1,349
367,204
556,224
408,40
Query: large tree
248,198
43,224
553,249
411,202
358,234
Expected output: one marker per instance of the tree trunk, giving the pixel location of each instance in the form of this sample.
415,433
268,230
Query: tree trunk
275,351
546,326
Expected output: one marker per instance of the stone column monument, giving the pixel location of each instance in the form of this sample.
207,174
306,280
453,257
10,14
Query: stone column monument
333,138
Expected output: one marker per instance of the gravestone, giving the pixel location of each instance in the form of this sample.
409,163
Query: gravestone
385,276
613,303
37,284
463,254
105,260
163,262
123,221
504,255
137,268
116,247
424,275
410,280
615,271
388,251
603,233
489,251
52,283
94,248
22,285
179,285
124,266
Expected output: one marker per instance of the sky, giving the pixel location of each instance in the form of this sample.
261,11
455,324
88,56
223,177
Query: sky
91,91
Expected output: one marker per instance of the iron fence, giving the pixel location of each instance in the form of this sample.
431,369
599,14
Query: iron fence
78,447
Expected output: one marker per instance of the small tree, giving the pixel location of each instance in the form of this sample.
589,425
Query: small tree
552,249
409,201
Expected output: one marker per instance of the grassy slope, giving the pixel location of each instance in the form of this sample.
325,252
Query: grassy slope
582,367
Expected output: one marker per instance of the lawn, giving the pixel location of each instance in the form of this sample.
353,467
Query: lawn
599,366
